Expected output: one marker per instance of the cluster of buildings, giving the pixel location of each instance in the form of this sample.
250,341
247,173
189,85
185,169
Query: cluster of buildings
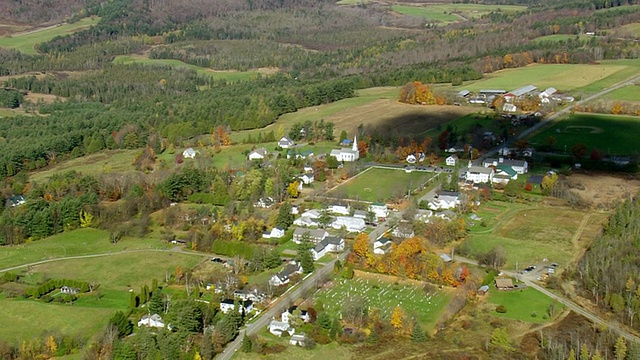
283,326
495,171
487,96
342,217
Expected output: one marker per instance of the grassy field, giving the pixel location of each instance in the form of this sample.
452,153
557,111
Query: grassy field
122,271
526,234
561,37
564,77
630,30
377,184
448,13
521,304
25,319
425,308
615,135
627,93
25,42
226,75
117,161
71,243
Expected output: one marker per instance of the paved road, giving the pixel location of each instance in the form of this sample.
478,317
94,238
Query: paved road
566,302
177,249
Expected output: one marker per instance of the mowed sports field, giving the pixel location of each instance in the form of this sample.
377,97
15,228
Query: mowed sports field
380,185
611,134
25,42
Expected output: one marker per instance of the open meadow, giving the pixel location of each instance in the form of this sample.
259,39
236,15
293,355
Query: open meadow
26,41
628,93
71,243
562,37
611,134
528,234
230,76
380,185
380,293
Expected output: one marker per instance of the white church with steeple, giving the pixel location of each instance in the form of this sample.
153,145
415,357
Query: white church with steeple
347,154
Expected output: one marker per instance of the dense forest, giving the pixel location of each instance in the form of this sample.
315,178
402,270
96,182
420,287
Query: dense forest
609,272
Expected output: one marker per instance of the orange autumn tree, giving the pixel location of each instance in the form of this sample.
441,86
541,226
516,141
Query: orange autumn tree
417,93
220,136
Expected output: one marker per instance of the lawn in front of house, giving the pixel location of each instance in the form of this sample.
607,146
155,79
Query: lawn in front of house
528,305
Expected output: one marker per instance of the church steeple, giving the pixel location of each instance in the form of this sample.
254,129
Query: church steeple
354,147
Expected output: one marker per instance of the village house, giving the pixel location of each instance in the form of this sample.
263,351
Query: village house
282,278
258,154
314,235
227,305
303,154
520,166
189,153
504,174
265,202
339,209
306,178
403,230
423,215
350,223
360,214
329,244
546,95
347,154
246,294
452,160
285,142
275,233
380,211
479,174
298,340
154,320
308,218
278,327
287,314
382,246
445,200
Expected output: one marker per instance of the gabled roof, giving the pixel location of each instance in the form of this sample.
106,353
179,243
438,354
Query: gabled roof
507,169
480,170
313,233
260,151
523,90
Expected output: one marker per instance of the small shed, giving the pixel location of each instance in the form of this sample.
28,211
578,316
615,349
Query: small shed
483,289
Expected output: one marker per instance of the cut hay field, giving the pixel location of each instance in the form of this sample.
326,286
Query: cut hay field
380,185
628,93
26,41
614,135
71,243
562,37
448,13
564,77
230,76
384,295
527,234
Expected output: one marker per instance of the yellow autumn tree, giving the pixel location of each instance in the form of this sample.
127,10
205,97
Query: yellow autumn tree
86,219
397,318
197,356
617,108
51,345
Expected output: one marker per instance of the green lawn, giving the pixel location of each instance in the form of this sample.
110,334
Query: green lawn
121,271
630,67
26,42
376,184
231,76
521,304
28,319
426,12
627,93
426,308
615,135
526,234
447,13
71,243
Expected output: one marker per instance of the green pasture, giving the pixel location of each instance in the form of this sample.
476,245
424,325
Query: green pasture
25,42
526,234
316,113
630,67
561,37
71,243
521,304
231,76
28,319
425,308
627,93
614,135
629,30
447,13
121,271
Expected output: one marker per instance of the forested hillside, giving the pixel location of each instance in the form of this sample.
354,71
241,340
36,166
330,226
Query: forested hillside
609,272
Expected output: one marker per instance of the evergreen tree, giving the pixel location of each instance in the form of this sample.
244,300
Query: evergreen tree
335,330
156,305
285,217
418,334
324,321
122,323
273,259
246,344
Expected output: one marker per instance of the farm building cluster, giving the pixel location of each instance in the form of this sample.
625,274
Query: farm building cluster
514,100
